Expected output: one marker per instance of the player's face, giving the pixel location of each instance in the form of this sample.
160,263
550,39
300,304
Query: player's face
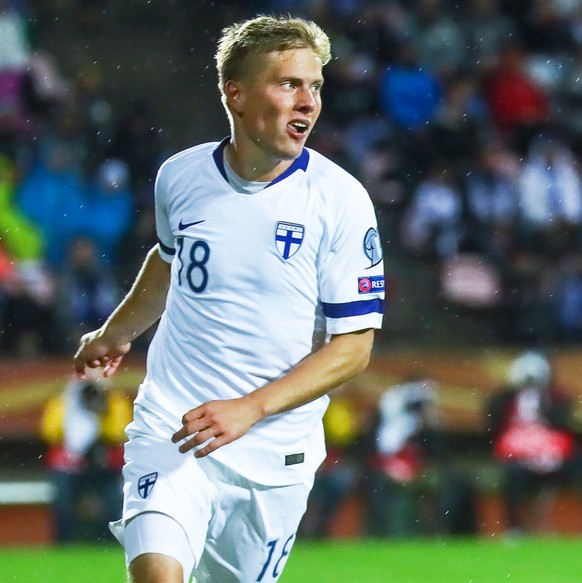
279,103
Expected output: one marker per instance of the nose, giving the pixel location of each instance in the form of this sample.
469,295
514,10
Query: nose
306,100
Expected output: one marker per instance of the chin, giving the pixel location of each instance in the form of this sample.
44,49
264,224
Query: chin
291,152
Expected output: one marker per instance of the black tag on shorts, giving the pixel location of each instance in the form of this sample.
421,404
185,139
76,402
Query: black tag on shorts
294,458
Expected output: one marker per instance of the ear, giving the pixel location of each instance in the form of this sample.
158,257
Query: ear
234,94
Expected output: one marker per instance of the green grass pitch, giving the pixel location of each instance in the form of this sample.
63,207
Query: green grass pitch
527,560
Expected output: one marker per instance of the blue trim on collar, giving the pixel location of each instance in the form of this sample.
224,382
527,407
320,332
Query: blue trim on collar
299,163
218,155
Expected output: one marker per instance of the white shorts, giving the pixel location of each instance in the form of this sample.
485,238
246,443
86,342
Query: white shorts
236,530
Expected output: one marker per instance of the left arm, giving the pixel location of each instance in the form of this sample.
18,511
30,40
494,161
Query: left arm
224,421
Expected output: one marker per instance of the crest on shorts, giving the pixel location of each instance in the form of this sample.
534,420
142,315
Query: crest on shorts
288,238
146,484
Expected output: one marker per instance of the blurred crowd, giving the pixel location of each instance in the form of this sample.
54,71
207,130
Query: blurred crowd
76,194
82,428
463,120
392,469
394,456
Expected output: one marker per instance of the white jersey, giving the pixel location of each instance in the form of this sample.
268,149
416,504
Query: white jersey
258,281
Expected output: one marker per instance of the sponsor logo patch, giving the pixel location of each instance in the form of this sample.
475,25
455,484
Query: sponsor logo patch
373,284
146,484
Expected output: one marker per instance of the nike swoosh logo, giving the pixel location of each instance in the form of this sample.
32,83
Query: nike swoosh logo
183,226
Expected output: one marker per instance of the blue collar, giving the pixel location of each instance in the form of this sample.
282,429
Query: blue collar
299,163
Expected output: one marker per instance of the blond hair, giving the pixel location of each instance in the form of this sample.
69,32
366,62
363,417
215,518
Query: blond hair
265,34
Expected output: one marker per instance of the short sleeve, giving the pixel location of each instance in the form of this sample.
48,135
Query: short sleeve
352,278
163,228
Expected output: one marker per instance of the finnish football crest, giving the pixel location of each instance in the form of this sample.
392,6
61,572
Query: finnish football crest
146,484
373,247
288,238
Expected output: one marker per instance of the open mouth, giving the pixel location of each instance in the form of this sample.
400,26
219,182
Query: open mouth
299,127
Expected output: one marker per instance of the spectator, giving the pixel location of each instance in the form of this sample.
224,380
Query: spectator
83,428
405,413
109,208
546,29
408,465
20,237
52,196
140,238
66,129
27,287
550,197
95,100
14,46
518,105
458,124
432,226
440,39
574,23
14,55
565,304
382,173
532,436
486,29
27,294
409,93
570,98
338,476
381,28
14,49
352,87
137,142
491,200
87,292
45,88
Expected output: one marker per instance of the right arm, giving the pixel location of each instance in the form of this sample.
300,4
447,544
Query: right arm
140,309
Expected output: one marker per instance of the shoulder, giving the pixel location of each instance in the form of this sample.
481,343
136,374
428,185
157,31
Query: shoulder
178,170
188,156
332,179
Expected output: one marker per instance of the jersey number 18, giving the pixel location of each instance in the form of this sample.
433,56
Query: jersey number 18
192,268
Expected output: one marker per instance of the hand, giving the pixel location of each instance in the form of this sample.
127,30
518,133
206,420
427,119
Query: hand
218,421
95,351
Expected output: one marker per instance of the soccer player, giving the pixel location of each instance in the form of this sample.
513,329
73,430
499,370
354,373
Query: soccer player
268,284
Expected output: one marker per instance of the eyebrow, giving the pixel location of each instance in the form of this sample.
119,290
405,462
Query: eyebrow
300,81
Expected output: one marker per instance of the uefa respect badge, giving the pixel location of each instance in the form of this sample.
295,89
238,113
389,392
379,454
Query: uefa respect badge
372,284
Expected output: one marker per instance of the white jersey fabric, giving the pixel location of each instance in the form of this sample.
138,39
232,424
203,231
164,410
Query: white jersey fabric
258,281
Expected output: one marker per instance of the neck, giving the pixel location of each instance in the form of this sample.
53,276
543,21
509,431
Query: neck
251,165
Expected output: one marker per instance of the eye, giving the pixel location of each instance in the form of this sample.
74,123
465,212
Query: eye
288,84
